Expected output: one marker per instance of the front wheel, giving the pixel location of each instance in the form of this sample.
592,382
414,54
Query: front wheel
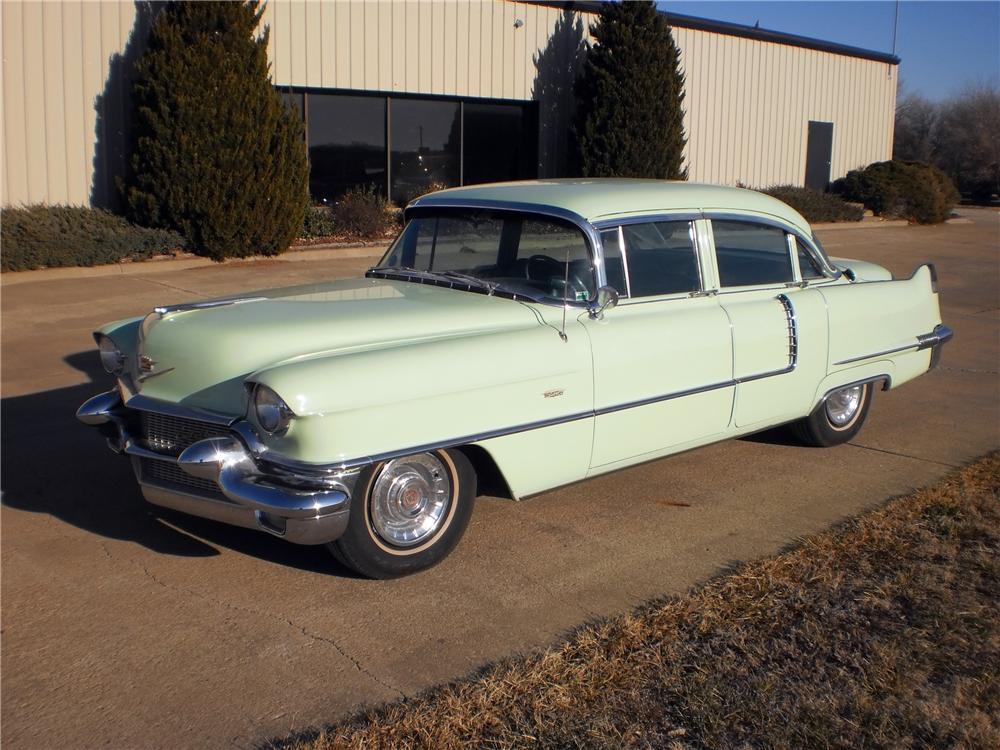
837,419
407,514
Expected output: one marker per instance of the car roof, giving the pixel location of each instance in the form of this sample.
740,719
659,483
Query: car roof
599,199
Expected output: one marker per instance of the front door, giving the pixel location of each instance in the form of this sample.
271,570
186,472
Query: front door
663,356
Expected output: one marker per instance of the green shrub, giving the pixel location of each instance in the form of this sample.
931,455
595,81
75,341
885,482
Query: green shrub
217,154
363,212
908,190
815,206
319,222
37,236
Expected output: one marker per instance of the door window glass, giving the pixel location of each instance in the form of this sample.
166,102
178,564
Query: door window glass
661,258
614,267
809,267
750,254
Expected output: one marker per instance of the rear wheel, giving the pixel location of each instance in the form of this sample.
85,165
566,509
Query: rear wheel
837,419
408,514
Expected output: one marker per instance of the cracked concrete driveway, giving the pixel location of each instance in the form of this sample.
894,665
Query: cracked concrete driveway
125,628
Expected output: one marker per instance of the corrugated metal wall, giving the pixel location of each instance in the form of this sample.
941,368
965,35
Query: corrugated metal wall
747,108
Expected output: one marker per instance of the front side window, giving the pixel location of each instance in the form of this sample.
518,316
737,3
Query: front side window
809,267
535,256
662,258
750,254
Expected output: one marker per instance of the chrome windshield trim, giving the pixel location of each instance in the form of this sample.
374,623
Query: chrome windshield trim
828,268
589,231
940,335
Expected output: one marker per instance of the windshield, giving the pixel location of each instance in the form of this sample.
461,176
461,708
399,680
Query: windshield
525,254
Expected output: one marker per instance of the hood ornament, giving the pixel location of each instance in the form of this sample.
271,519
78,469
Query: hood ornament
147,365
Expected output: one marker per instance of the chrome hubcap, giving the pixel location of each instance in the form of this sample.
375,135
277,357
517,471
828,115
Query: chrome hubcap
843,405
410,499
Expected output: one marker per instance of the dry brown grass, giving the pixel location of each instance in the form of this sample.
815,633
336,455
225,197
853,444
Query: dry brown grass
884,632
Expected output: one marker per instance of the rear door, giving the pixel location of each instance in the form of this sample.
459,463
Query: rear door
779,324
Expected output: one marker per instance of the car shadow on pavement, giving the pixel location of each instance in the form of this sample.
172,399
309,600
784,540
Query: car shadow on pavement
54,464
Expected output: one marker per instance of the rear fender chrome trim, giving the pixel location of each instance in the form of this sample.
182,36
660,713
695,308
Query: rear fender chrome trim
941,334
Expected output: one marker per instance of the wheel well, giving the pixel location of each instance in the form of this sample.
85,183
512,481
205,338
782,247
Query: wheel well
489,478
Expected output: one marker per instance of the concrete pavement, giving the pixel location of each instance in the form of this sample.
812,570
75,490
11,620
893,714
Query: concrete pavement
124,628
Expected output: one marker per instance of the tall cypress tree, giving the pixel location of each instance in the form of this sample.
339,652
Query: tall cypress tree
629,121
216,155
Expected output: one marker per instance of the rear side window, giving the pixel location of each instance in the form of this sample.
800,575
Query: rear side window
661,257
750,254
809,267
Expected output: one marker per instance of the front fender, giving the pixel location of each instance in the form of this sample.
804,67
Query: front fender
356,405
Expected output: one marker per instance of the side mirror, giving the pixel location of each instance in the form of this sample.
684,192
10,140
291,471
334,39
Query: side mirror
605,299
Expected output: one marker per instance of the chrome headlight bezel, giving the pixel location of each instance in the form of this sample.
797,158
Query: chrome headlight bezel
112,358
271,413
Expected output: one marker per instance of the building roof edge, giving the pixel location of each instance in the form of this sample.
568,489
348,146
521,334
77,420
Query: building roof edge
736,29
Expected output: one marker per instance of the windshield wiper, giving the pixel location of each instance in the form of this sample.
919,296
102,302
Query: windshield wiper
492,286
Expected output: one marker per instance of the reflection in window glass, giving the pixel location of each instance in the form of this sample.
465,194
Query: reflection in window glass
499,143
346,144
809,267
750,254
426,143
661,258
531,255
614,269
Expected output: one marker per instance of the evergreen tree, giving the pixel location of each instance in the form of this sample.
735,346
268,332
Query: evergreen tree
217,155
629,121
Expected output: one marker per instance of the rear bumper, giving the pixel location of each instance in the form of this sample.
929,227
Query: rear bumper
934,340
234,488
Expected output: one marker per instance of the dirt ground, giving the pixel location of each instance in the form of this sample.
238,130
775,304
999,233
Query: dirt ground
123,627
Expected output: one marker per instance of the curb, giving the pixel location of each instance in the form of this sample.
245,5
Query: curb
167,265
835,225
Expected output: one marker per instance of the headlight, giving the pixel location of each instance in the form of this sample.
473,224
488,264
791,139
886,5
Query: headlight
112,359
273,414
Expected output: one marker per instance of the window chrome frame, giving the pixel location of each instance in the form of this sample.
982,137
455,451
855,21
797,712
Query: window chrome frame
831,271
592,235
690,217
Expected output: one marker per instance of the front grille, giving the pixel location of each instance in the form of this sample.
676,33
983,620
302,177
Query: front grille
171,435
173,476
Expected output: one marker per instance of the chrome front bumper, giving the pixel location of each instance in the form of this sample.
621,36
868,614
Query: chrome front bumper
300,507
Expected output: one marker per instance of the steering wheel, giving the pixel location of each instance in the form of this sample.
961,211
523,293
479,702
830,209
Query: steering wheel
549,270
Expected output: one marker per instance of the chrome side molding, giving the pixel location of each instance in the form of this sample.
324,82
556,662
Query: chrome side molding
940,335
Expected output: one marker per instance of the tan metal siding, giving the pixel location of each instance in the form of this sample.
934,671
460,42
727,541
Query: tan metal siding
747,107
749,104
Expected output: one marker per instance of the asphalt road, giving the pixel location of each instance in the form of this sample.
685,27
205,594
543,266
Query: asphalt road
124,628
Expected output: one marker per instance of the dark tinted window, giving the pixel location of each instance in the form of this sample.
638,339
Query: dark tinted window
661,258
501,143
750,254
614,267
426,142
346,144
809,267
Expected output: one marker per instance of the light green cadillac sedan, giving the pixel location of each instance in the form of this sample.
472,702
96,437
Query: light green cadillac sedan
515,337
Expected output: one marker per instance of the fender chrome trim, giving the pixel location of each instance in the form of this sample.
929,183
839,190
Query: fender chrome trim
941,334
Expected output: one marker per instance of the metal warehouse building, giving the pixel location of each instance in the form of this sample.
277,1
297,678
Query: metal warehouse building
408,94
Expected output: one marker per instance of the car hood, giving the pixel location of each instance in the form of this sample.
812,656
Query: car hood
200,356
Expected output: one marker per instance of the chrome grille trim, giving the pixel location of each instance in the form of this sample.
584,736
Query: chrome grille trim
168,475
170,435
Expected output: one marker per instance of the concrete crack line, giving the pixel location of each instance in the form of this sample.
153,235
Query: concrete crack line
969,370
904,455
257,613
169,286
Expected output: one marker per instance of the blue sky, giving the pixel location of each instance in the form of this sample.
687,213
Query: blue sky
944,46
